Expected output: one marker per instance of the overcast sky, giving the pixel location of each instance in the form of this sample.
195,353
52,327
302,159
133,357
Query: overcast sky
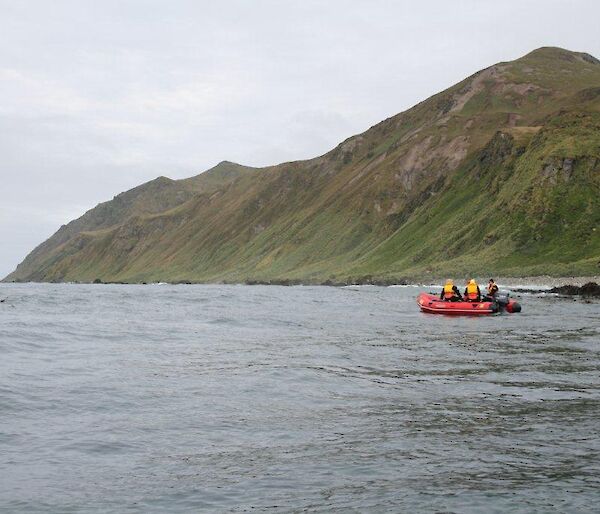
97,97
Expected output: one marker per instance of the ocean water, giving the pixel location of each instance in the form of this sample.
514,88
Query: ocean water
123,398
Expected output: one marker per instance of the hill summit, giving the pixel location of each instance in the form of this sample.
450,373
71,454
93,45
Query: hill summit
500,173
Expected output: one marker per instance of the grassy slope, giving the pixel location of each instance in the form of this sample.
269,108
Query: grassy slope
513,208
156,196
433,190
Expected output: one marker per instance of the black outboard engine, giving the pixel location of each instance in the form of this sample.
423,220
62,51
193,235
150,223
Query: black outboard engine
506,303
501,298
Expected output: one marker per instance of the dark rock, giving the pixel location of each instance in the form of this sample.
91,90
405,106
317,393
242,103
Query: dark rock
591,289
568,290
528,290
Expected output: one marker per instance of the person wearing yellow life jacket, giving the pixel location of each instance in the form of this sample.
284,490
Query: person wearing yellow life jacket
472,292
492,288
450,293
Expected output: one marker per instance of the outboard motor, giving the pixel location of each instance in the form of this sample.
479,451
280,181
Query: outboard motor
506,303
501,298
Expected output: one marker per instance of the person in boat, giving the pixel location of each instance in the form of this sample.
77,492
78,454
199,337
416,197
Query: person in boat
450,293
492,288
472,291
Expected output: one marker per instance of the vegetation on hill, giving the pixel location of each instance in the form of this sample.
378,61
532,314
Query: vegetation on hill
498,174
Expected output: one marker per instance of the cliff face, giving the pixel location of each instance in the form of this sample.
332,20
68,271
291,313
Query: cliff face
499,173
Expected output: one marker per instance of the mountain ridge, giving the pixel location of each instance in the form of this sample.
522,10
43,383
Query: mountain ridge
360,209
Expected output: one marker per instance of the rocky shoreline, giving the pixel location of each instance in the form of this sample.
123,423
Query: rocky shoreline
546,281
591,289
587,290
564,286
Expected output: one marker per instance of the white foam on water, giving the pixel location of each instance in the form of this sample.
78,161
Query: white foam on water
525,286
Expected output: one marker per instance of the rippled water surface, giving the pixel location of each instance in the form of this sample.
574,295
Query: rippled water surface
235,398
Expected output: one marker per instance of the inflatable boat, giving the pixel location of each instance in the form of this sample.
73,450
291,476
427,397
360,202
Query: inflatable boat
429,302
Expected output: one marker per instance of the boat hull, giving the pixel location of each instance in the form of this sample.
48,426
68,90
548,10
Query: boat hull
432,304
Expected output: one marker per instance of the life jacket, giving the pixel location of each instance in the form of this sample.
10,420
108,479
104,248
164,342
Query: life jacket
492,289
449,291
472,291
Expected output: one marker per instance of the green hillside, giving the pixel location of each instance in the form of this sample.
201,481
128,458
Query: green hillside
498,174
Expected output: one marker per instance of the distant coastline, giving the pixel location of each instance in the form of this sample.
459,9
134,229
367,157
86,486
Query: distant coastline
528,283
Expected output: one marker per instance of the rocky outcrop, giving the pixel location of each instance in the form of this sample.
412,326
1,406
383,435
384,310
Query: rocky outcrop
591,289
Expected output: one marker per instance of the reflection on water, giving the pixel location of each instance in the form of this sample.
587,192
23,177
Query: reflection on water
232,398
